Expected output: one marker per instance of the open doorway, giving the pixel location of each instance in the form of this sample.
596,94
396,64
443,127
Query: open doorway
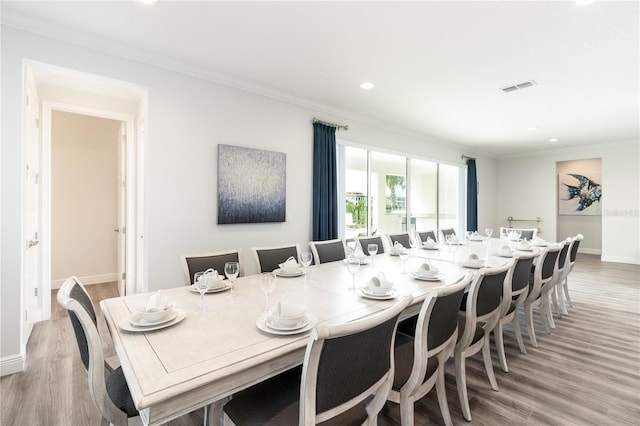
55,94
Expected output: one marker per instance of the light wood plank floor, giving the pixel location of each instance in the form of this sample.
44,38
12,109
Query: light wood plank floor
586,372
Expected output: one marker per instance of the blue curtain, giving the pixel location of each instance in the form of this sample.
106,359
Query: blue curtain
472,196
325,184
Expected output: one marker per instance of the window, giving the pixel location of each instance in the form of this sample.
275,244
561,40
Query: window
383,192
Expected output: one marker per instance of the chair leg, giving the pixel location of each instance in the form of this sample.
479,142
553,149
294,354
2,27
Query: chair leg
530,329
442,397
406,410
560,297
546,311
556,304
518,331
488,365
565,287
461,384
499,338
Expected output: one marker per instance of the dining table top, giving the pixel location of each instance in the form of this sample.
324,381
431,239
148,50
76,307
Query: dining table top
204,357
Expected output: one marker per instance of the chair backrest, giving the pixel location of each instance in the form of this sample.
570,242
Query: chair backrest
447,231
403,239
424,236
438,318
519,278
345,364
269,258
327,251
199,262
365,241
562,257
74,298
544,271
484,300
574,248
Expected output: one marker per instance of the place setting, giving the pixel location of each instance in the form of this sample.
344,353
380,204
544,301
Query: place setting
505,251
286,318
427,272
474,261
210,281
358,255
430,244
379,288
290,268
159,312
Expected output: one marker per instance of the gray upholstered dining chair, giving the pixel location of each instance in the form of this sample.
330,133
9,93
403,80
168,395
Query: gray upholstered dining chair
107,387
345,377
192,263
365,241
268,259
481,313
573,254
424,236
403,239
561,268
422,348
327,251
447,231
540,286
519,278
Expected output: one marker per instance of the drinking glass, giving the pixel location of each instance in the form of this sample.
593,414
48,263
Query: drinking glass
373,250
231,270
202,285
404,256
353,264
489,232
414,243
305,259
267,283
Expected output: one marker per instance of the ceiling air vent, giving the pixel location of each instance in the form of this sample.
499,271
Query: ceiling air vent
519,86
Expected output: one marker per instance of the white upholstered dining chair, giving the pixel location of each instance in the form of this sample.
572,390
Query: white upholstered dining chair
328,251
198,262
269,258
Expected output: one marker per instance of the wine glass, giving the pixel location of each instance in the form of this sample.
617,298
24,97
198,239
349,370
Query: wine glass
202,285
404,256
305,259
373,250
414,243
489,232
267,283
353,264
231,270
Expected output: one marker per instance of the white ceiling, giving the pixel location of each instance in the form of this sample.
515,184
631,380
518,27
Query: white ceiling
438,67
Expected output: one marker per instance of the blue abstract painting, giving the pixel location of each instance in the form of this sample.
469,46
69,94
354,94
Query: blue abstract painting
251,185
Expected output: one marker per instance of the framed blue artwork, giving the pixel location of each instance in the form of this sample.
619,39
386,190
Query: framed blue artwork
251,185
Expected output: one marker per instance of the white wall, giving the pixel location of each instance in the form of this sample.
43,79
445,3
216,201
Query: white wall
84,197
187,119
527,188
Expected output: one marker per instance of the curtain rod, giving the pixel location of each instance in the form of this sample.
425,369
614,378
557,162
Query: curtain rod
466,157
327,123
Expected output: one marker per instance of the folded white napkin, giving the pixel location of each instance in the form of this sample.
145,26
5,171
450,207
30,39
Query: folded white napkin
380,282
505,250
290,310
427,270
289,264
157,302
358,253
397,247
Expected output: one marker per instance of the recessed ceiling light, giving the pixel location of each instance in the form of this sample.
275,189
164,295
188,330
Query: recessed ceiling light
367,85
148,1
553,140
584,2
532,129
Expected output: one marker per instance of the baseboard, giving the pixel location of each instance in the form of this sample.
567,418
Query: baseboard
621,259
88,280
11,364
589,251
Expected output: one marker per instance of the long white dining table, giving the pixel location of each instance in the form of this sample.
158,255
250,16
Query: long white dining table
209,356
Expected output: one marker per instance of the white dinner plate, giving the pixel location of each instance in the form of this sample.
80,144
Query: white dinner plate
525,249
127,326
262,326
431,248
417,276
279,327
139,321
365,292
363,261
279,272
504,255
474,266
227,286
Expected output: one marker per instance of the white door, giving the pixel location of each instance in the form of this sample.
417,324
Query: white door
122,210
32,257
